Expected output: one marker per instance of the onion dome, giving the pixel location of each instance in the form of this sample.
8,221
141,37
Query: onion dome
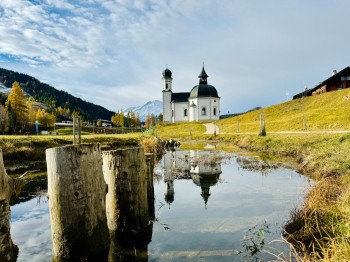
203,90
167,73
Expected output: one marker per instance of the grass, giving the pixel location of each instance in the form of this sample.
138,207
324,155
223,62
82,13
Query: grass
21,153
329,111
180,130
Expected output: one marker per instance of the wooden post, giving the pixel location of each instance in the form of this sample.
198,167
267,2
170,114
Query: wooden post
150,187
8,250
77,200
125,173
76,130
262,126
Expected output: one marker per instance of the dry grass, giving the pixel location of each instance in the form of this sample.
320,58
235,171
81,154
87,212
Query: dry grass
329,111
181,130
152,145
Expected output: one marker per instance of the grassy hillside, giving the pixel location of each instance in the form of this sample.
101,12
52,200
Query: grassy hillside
329,111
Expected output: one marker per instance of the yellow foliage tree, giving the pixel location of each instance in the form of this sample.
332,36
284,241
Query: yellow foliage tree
3,119
16,104
45,119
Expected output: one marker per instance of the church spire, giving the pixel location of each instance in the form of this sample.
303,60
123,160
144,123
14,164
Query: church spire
203,76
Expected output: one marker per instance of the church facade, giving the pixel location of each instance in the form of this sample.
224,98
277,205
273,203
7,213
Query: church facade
201,104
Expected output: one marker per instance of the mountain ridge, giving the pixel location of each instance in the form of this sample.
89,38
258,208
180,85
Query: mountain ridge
46,94
151,107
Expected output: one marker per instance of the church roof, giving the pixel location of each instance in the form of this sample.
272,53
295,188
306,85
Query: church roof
180,97
203,90
203,74
167,73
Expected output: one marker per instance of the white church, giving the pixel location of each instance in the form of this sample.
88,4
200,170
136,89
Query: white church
201,104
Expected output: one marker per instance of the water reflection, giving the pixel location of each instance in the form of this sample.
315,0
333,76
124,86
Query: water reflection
242,204
203,167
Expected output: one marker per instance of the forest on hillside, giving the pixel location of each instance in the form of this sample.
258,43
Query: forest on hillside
54,98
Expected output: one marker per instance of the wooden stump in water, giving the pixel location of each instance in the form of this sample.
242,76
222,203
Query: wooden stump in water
8,250
6,182
77,200
150,187
127,176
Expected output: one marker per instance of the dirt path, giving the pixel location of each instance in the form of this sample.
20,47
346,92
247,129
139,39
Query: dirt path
214,129
211,129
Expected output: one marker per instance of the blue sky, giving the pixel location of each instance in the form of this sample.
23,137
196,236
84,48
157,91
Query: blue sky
112,52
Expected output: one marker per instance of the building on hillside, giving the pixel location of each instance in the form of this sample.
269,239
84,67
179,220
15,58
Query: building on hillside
201,104
338,81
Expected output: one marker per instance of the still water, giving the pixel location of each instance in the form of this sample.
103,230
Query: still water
209,206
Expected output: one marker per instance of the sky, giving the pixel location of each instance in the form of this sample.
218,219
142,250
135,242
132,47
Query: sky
113,52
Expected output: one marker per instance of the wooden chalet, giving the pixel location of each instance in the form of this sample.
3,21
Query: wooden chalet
338,81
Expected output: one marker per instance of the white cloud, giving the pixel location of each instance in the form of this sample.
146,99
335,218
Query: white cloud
253,51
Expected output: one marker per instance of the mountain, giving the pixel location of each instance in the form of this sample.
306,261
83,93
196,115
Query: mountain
50,96
4,89
151,107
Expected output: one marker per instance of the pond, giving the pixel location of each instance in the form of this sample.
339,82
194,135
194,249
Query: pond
209,206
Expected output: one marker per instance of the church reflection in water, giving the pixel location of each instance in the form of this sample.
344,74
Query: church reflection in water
202,167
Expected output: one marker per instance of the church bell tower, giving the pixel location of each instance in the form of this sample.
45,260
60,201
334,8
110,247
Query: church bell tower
167,93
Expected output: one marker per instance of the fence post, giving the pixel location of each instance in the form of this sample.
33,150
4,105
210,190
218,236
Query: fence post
262,126
76,130
77,200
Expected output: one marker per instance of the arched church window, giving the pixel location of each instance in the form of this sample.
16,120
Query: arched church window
185,112
214,111
166,86
204,111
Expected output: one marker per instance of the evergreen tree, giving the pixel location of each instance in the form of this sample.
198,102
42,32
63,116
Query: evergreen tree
137,120
160,118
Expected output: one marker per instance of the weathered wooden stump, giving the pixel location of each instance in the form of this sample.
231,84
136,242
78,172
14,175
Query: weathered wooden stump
150,187
77,200
126,174
8,250
6,182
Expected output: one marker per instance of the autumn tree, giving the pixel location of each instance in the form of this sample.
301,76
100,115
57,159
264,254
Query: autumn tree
118,119
150,121
16,104
3,119
44,118
99,122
